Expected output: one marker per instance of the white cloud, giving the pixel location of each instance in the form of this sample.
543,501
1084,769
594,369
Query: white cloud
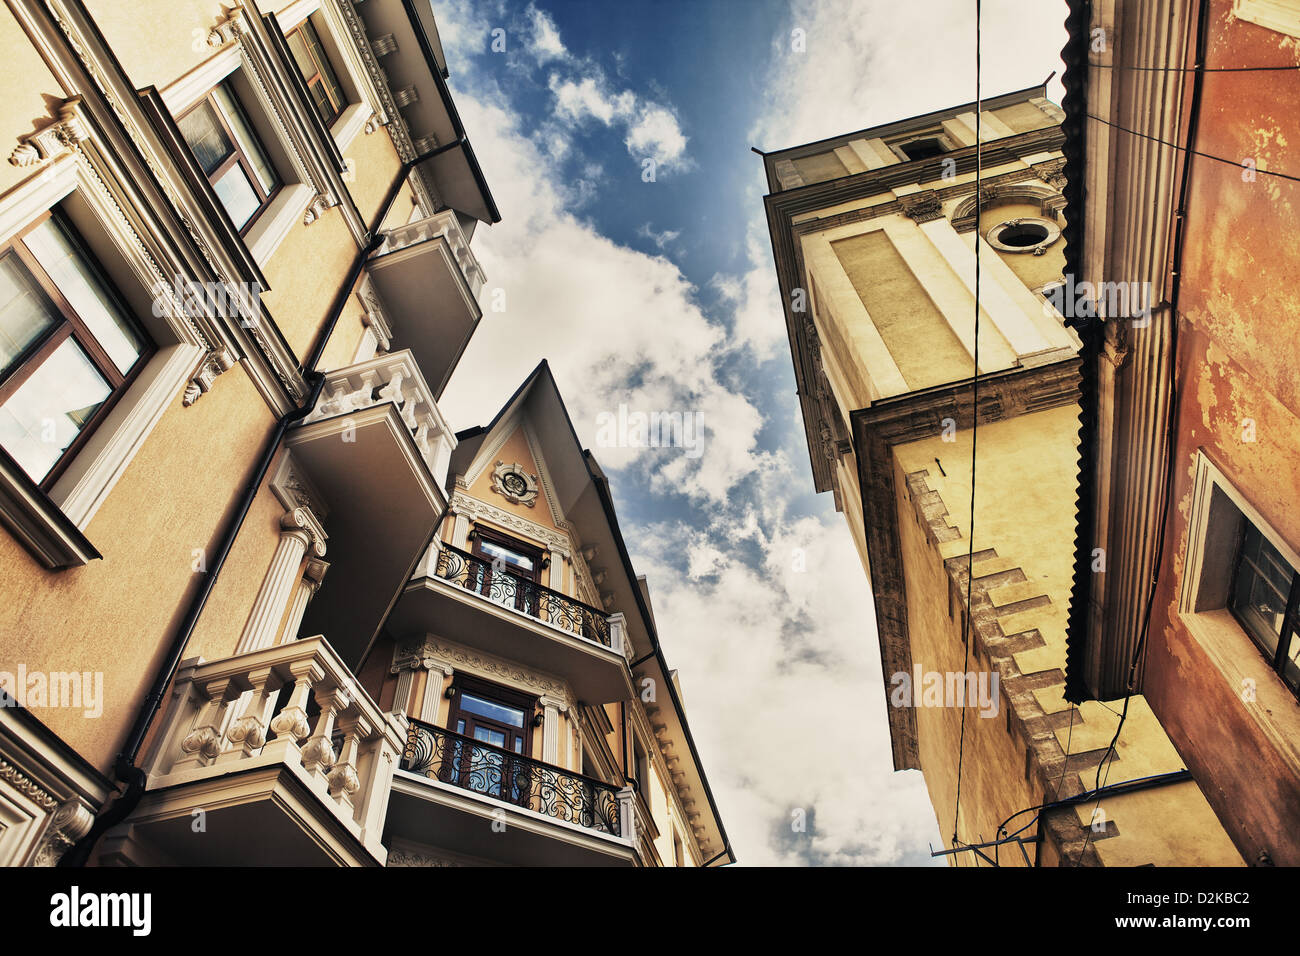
777,665
656,135
544,40
660,239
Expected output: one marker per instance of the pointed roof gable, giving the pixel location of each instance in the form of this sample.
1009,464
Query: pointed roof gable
574,482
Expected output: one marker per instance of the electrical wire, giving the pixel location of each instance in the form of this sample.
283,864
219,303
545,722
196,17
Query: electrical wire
1190,69
1171,424
974,427
1217,159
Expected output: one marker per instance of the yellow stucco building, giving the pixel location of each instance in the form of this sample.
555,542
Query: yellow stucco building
874,236
262,602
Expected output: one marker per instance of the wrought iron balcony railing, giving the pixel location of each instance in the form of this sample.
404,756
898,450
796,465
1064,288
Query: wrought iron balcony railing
512,778
535,600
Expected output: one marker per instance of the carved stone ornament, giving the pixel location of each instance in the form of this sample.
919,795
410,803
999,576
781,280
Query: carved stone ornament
515,484
922,207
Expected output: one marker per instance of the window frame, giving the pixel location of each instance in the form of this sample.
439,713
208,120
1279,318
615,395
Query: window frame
497,693
237,155
318,77
1291,611
74,327
1214,532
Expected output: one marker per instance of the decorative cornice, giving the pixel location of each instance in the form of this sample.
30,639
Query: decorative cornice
488,666
475,509
910,417
419,654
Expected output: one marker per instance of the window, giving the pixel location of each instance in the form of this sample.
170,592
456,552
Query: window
1265,598
231,155
496,716
921,144
322,81
1240,593
508,573
923,148
68,346
1025,234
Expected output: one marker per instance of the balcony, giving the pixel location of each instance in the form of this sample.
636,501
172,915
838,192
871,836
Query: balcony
450,790
466,599
441,225
279,753
428,281
376,450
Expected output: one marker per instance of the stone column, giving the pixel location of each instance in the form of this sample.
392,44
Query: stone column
551,728
414,656
460,531
299,530
376,338
312,577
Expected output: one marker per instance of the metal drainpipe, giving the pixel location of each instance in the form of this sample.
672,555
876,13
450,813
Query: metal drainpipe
124,767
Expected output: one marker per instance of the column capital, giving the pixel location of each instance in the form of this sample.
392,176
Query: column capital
300,522
419,654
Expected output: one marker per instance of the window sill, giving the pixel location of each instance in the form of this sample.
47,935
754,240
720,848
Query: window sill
350,124
273,225
38,524
1280,16
1237,658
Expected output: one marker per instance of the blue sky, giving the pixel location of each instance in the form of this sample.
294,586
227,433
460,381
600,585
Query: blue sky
661,295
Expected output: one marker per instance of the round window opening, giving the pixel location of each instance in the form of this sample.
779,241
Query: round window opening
1024,235
515,484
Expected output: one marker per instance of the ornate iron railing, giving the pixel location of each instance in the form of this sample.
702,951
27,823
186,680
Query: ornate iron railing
496,584
512,778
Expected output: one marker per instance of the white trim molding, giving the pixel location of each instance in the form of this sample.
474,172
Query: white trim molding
1282,16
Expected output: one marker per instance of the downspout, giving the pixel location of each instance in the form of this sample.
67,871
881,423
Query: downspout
124,767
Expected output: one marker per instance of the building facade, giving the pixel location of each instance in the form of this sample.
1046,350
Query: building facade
262,603
960,482
1195,465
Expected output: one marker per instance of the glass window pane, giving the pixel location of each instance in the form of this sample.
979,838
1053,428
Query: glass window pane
489,736
1291,662
74,276
237,195
321,101
47,412
298,47
508,555
24,312
327,74
249,143
1259,590
203,132
491,709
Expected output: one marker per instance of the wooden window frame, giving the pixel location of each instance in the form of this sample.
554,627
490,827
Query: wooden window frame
341,106
510,696
237,155
72,326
